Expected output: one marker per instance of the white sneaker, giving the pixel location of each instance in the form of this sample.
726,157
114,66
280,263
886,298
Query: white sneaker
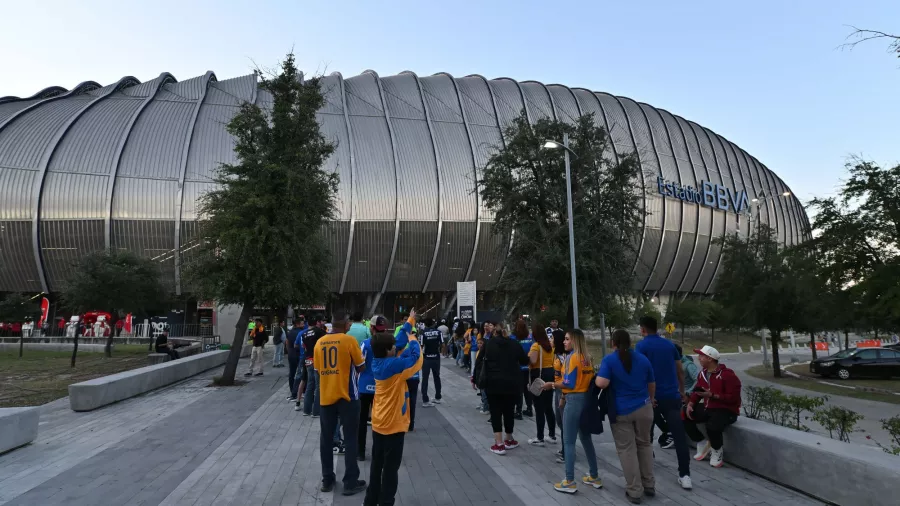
428,404
536,442
552,439
703,449
716,457
298,408
685,482
437,401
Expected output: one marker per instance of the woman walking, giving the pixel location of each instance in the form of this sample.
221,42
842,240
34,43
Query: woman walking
502,358
541,357
574,381
631,377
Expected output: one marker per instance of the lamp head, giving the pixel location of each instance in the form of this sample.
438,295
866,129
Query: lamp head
551,145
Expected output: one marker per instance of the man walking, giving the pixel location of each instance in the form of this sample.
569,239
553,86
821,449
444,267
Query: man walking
278,340
667,370
259,337
338,360
293,353
311,399
431,364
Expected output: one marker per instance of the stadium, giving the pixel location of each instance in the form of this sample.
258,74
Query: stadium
121,167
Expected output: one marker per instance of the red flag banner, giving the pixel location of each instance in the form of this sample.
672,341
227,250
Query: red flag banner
128,323
45,310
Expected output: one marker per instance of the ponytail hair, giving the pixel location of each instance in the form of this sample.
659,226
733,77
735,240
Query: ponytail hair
622,342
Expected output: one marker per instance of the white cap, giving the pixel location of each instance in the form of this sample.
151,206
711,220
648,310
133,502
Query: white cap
709,351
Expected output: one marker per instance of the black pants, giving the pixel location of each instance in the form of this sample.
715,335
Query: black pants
348,414
387,454
173,355
413,386
431,365
716,420
543,405
293,362
529,399
365,403
667,416
502,407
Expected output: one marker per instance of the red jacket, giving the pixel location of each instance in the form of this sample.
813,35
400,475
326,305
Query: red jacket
725,387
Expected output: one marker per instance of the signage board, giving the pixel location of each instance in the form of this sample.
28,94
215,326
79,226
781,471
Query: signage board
709,194
466,301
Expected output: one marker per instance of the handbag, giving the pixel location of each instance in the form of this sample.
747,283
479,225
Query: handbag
537,385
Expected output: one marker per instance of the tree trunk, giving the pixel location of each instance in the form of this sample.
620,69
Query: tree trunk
846,339
74,348
876,334
109,343
776,363
682,334
21,343
236,345
812,342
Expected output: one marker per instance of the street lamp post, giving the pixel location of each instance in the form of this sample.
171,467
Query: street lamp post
568,152
762,197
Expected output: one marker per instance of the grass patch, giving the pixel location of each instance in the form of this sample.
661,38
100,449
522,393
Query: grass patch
43,376
725,342
812,385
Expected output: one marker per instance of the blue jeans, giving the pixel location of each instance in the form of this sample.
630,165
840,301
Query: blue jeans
670,409
484,401
571,429
460,356
279,354
311,399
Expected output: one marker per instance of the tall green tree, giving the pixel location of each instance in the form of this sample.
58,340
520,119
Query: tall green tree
857,243
685,312
525,186
715,317
755,285
258,248
118,281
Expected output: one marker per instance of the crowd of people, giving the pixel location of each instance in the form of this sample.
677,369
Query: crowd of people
355,374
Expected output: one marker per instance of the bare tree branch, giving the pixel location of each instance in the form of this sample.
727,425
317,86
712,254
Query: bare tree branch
859,35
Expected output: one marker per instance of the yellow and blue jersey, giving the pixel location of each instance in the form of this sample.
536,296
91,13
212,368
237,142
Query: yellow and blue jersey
390,410
367,377
575,372
335,358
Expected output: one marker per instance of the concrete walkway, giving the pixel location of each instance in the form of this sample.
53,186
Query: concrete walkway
200,445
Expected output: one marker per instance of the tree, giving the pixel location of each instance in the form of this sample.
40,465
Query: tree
525,186
646,307
17,307
256,249
715,317
685,313
860,35
118,281
755,285
856,244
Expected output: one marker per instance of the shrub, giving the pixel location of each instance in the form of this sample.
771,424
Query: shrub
798,404
837,421
892,426
756,399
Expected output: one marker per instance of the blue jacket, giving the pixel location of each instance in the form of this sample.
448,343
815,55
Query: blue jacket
367,377
401,340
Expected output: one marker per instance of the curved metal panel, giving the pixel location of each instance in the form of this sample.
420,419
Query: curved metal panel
773,202
673,208
351,195
735,182
90,145
538,99
703,229
149,90
179,199
714,168
763,213
565,103
747,185
51,91
440,189
687,227
396,165
655,221
17,270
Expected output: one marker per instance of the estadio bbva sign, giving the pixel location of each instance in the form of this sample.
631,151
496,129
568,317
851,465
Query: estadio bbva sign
709,195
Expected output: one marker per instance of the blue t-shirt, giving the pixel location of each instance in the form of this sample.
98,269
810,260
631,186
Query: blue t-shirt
367,377
630,388
526,345
662,355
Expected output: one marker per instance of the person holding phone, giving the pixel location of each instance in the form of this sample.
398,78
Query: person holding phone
715,401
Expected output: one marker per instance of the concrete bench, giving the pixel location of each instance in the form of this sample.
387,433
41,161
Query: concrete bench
184,351
96,393
824,468
18,427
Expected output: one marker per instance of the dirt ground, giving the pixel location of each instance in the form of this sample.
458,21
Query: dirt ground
42,376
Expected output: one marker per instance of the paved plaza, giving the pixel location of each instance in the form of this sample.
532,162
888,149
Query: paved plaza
191,444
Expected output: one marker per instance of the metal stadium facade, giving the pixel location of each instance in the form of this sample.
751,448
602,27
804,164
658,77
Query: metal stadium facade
121,167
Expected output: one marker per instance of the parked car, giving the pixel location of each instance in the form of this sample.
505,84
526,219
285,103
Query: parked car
867,362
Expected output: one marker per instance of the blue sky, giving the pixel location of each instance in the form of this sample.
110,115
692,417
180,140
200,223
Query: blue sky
768,75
